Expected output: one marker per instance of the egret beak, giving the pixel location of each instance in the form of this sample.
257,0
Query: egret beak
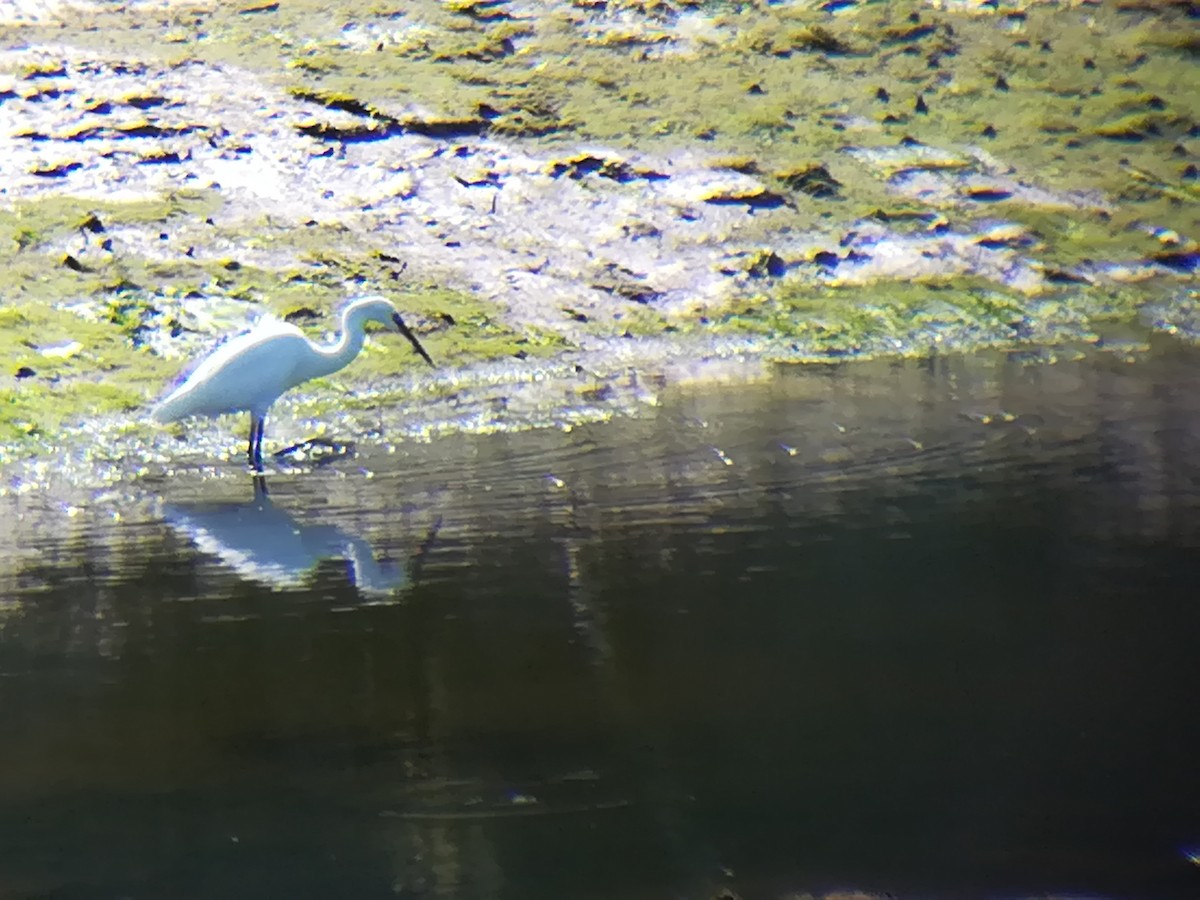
412,338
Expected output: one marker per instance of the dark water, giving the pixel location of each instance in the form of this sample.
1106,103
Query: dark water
922,628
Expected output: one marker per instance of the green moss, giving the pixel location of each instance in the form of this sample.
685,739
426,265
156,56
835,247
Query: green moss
1092,107
1065,103
111,370
1070,237
911,318
72,327
29,223
639,321
34,411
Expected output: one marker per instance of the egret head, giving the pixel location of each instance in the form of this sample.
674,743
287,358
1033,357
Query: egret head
370,309
379,309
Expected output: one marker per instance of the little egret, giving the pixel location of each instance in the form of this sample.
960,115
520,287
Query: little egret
251,371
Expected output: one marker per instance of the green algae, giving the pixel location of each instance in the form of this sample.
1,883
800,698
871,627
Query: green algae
801,62
1089,103
72,325
915,318
1068,238
39,279
1065,97
33,416
110,373
30,222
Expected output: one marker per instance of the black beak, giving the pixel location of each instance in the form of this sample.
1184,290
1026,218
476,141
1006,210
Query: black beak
412,338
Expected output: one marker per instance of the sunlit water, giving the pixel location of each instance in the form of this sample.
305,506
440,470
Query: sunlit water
927,628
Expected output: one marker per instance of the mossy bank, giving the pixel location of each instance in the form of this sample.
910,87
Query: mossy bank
544,187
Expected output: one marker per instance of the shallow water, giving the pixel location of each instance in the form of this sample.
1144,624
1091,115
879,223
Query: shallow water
926,628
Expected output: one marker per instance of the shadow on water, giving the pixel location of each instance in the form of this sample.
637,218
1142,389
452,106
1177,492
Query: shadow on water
925,628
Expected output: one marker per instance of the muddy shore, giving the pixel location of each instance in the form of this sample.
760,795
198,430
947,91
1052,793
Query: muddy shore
577,204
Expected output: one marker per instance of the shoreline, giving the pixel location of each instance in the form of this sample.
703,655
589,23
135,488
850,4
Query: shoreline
170,178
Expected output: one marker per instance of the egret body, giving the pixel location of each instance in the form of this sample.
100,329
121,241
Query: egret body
251,371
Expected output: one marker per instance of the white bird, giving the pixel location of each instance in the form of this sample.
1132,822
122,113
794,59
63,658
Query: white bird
251,371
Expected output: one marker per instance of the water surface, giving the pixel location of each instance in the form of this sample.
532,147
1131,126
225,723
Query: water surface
926,628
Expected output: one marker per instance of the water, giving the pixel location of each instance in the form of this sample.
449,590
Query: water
927,628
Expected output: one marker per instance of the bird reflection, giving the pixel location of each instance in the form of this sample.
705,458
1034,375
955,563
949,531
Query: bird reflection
264,543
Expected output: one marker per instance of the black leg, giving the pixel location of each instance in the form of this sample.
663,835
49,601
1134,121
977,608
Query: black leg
254,451
262,427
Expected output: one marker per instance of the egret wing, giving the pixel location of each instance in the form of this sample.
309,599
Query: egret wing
247,372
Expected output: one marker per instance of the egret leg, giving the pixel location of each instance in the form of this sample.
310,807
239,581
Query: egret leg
260,488
254,450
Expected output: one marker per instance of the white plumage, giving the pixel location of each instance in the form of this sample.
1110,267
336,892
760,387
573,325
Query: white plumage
251,371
